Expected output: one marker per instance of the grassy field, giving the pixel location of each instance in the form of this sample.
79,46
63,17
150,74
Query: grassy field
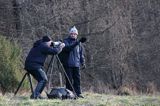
89,100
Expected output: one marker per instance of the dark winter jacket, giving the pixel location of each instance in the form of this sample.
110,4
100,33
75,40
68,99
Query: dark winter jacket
72,53
38,55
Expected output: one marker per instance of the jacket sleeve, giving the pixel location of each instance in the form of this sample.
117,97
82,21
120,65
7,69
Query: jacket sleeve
51,50
69,47
82,59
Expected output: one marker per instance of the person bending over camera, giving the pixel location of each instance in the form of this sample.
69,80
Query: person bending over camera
35,61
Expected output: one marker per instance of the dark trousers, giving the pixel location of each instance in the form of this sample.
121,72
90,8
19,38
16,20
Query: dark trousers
41,77
73,74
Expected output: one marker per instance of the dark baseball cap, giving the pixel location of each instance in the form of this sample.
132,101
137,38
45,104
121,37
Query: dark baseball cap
46,39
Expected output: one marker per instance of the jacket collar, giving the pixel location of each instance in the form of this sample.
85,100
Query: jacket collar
72,39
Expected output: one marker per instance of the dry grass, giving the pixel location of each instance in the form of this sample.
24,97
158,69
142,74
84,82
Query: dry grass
89,100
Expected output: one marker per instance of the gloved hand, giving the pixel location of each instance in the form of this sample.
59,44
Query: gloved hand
83,66
83,39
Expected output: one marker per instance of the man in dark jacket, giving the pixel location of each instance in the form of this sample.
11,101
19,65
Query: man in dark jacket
72,58
35,61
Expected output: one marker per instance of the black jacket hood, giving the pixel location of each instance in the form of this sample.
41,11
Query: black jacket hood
37,43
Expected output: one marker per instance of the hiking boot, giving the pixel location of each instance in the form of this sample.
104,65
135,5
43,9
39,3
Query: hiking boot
80,96
32,97
38,97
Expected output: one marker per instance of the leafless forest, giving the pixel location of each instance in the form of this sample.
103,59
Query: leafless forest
122,50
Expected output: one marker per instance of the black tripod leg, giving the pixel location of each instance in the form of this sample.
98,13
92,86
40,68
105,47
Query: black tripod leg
20,84
30,81
50,64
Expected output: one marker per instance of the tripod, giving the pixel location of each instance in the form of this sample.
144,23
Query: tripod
30,81
50,66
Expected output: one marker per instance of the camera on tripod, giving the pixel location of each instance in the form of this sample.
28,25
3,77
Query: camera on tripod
55,44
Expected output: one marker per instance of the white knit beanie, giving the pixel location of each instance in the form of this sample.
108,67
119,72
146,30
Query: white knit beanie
73,30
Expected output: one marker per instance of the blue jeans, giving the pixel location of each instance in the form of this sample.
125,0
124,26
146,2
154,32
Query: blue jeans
42,79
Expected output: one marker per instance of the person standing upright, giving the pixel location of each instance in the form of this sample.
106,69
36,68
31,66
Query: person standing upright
72,58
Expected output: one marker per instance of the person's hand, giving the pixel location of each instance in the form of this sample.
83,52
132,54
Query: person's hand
62,45
83,39
83,66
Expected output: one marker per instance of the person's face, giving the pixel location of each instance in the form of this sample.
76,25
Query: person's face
73,35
